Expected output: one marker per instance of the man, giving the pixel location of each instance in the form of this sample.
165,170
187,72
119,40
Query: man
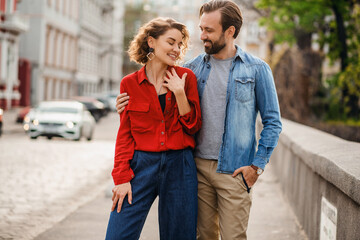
233,87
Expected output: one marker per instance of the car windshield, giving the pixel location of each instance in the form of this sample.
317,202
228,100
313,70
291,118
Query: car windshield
58,110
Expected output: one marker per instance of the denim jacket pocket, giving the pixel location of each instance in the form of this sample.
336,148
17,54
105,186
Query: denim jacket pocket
244,89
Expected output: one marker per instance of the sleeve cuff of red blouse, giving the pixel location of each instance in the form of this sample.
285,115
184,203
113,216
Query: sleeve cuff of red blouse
189,121
124,177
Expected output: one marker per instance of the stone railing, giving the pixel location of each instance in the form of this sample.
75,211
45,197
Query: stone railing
320,176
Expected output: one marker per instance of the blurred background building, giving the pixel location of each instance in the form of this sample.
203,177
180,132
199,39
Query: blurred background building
74,47
100,46
56,49
51,47
12,24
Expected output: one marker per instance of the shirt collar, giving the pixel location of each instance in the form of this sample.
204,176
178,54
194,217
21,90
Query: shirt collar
142,75
239,54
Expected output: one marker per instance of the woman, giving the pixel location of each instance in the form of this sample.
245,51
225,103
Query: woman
153,153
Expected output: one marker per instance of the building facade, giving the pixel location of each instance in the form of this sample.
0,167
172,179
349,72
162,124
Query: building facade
51,47
12,24
100,46
71,47
252,38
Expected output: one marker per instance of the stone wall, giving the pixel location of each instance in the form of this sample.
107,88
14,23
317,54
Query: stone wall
312,165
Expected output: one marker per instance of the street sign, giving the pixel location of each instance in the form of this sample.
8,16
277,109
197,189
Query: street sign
328,220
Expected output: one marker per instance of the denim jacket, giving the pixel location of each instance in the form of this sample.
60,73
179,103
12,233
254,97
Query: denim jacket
250,90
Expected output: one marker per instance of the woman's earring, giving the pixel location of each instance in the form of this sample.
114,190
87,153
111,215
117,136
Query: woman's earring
151,54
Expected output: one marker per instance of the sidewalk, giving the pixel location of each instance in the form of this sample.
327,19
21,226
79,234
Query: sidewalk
43,181
9,121
270,219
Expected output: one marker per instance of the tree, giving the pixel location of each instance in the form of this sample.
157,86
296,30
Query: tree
336,24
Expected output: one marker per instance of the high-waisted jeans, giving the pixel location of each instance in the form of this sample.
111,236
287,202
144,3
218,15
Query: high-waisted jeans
171,175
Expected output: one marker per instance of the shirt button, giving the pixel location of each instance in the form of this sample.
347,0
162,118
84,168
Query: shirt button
169,99
132,175
162,144
167,111
162,121
162,133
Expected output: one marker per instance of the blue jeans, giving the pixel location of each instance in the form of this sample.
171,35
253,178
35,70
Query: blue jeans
171,175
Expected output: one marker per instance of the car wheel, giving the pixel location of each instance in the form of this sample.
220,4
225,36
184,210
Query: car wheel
80,135
49,137
33,137
89,138
97,116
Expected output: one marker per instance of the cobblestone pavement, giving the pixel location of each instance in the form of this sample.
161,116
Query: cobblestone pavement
64,187
43,181
271,218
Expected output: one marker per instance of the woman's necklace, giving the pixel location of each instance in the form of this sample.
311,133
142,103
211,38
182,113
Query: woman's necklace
161,85
158,93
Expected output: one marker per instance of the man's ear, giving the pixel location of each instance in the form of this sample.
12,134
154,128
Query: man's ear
230,32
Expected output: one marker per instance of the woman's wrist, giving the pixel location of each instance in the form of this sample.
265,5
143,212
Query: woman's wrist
179,93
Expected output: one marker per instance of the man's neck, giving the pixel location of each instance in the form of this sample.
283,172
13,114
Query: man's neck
228,51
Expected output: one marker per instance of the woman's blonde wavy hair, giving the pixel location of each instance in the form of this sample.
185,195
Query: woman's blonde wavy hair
139,47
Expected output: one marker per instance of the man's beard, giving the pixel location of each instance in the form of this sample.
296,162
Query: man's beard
216,46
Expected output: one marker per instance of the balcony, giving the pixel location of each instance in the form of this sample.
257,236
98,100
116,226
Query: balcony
14,22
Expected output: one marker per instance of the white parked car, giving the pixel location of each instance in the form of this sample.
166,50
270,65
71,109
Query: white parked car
67,119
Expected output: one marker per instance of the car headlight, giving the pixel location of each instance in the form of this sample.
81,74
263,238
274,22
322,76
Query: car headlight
27,119
26,127
36,122
70,124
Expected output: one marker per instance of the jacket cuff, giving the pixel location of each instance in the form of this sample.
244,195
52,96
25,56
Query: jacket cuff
260,159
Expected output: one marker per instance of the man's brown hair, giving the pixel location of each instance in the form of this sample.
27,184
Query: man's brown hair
230,14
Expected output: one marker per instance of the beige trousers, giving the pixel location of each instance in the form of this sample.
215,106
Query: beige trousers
224,203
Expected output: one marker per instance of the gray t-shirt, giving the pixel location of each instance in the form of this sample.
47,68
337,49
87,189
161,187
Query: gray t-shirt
213,106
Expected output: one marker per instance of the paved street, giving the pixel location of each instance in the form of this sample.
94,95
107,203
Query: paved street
270,217
61,190
43,181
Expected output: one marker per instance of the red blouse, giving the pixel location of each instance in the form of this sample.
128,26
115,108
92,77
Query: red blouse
145,127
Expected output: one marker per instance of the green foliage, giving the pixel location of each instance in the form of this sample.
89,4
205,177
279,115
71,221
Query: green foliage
337,25
288,16
344,88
